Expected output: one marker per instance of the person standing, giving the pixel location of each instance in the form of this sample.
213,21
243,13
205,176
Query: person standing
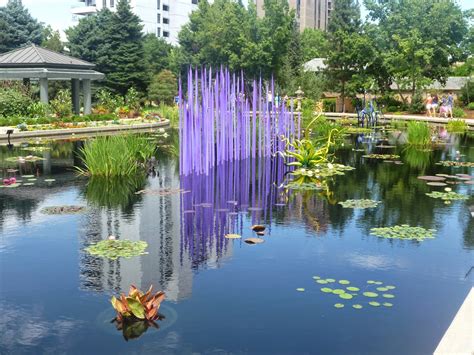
428,102
450,104
434,104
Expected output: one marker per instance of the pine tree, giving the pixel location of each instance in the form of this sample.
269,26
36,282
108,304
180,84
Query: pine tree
18,27
125,51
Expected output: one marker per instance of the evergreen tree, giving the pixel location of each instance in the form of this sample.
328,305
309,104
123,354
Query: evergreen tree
163,87
157,54
346,45
18,27
125,50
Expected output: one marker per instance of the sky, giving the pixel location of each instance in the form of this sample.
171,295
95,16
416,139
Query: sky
57,13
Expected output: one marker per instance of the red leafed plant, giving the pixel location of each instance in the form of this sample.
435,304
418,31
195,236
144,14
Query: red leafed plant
138,305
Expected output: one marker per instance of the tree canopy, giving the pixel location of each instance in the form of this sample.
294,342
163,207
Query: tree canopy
18,27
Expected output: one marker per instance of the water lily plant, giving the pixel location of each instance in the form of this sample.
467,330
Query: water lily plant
138,305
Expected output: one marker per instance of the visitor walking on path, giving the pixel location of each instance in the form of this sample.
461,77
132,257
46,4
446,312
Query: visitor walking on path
428,103
450,104
434,105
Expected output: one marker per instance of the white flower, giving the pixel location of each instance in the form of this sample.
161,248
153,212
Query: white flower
448,189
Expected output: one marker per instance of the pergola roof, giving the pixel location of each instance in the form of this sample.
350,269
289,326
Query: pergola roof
31,61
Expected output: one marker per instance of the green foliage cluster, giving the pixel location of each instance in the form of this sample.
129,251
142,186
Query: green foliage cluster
114,249
170,113
14,101
458,112
115,156
18,27
61,105
457,126
114,42
419,133
163,87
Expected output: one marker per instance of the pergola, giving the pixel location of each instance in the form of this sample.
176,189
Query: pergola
33,62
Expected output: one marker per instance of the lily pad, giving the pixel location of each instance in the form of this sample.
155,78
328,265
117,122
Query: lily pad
258,228
344,282
375,304
300,289
339,305
353,288
113,249
330,280
390,287
465,164
49,180
323,282
381,156
63,209
388,295
359,204
370,282
254,240
316,277
434,183
27,176
338,291
232,236
387,304
403,231
447,195
357,306
326,290
382,289
370,294
431,178
346,296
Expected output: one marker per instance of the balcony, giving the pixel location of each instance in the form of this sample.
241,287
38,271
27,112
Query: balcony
84,10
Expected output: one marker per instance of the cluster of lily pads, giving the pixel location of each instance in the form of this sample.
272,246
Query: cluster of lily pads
404,231
323,170
447,195
25,180
381,156
257,228
363,203
117,248
344,290
20,159
63,209
466,164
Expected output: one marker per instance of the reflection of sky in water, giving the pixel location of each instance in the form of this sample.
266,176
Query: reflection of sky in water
230,297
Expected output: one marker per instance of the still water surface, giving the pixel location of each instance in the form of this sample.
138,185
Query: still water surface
225,296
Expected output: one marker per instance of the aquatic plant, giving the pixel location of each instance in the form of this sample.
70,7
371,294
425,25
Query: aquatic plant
116,248
352,292
457,126
381,156
63,209
416,157
138,305
112,156
465,164
419,133
364,203
403,231
447,195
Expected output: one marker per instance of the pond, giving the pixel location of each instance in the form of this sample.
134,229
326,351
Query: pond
224,295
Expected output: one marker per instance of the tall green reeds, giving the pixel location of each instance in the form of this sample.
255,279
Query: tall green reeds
419,133
457,126
115,156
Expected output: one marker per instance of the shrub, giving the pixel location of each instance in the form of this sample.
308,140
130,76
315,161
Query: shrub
14,102
106,100
132,99
163,87
467,93
458,112
417,105
419,133
392,108
457,126
329,105
115,156
38,109
62,104
470,106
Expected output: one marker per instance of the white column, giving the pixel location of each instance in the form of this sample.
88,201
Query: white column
44,90
75,96
86,88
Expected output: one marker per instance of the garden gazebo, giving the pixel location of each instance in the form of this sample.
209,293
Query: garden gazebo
33,62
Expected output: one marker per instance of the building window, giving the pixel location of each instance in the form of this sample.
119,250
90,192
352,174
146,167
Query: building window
112,3
194,2
104,3
166,7
166,20
158,18
158,32
158,4
166,34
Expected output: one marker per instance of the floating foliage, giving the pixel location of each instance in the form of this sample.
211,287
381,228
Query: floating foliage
357,204
138,305
254,240
370,294
114,249
63,209
338,291
339,305
232,236
465,164
447,196
346,296
344,282
388,295
27,159
374,303
431,178
387,304
353,289
323,282
330,280
381,156
327,290
300,289
403,231
357,306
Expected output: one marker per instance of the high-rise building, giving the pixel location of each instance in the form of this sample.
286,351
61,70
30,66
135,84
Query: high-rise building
309,13
161,17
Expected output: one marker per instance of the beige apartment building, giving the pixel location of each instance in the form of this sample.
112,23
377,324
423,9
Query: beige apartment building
309,13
